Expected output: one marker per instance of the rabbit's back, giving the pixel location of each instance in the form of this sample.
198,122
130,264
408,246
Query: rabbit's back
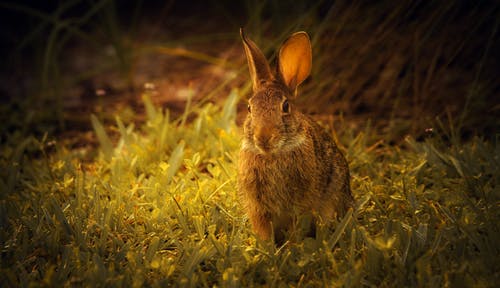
334,178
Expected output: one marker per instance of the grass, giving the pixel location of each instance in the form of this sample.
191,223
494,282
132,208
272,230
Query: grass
155,203
159,208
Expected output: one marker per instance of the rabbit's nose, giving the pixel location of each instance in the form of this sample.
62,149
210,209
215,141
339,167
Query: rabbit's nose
263,140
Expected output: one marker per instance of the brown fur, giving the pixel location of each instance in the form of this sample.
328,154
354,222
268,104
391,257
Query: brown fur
288,166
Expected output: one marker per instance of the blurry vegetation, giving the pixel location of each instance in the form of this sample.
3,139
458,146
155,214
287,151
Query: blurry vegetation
119,141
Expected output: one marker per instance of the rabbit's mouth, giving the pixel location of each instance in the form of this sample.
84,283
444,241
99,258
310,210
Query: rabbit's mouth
272,145
264,145
256,148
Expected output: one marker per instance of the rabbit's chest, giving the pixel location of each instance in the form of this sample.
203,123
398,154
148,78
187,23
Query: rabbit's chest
279,184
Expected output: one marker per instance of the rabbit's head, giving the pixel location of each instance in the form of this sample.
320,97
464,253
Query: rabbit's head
273,124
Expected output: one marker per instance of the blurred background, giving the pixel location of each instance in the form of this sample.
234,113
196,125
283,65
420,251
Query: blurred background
403,67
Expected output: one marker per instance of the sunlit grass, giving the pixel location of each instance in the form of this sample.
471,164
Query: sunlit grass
155,204
159,207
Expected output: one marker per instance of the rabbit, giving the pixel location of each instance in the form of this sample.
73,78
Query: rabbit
288,164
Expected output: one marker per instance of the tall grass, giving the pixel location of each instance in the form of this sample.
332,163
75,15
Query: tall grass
50,39
374,59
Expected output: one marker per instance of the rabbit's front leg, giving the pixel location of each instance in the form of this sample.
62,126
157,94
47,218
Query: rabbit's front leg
261,223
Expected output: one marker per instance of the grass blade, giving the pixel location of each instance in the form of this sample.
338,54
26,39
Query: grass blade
102,136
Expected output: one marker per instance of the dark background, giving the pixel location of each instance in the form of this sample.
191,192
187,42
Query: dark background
405,66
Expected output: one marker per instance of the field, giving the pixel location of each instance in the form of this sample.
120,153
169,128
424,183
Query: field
135,187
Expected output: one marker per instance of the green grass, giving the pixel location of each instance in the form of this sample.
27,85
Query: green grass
156,203
159,207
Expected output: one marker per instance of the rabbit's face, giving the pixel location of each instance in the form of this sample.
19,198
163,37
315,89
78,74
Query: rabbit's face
271,126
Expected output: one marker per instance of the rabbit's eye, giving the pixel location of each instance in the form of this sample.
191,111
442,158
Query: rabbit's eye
285,107
248,108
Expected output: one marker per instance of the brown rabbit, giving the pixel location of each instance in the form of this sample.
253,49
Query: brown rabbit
289,165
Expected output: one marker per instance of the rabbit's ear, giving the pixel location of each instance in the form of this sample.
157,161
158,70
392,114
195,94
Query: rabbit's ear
295,60
257,62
